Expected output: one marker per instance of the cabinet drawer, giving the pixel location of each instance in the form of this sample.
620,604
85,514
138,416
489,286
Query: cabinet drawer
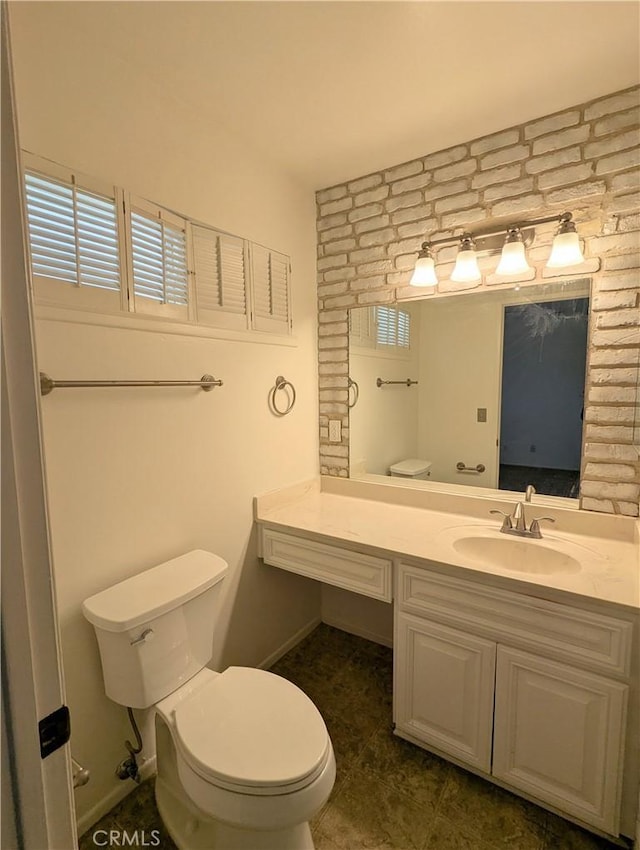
560,630
365,574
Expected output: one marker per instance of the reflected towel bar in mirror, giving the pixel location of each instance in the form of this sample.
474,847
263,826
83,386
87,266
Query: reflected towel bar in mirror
462,467
407,383
206,382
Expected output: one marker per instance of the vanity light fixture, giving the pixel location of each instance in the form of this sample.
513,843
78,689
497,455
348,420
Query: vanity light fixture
565,251
424,273
466,268
513,259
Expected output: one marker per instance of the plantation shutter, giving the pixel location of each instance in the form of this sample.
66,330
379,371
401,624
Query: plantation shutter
404,329
220,278
52,229
74,242
362,327
393,328
385,326
93,246
158,261
270,282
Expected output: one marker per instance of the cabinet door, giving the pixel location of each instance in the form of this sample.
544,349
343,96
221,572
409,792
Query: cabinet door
444,689
559,735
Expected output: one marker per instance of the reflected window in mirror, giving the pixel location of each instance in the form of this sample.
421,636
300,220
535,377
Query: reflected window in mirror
488,390
385,328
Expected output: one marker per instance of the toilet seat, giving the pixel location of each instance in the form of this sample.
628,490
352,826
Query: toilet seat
252,732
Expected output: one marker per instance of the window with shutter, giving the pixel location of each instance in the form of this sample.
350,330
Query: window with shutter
74,239
270,289
96,248
158,261
393,327
220,266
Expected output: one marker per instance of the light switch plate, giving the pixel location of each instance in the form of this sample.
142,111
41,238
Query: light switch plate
335,431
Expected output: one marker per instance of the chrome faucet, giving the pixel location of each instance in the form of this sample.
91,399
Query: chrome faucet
516,523
529,492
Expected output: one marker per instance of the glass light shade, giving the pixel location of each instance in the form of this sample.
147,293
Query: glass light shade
565,251
513,259
424,273
466,267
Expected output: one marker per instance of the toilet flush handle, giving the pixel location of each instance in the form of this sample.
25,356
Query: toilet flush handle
146,635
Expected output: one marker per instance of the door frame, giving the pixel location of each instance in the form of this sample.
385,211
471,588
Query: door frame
38,790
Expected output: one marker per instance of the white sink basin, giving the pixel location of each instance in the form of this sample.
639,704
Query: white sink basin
553,554
517,555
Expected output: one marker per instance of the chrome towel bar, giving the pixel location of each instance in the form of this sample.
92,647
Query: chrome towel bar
206,382
407,383
462,467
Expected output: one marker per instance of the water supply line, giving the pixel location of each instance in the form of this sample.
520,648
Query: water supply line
128,768
138,748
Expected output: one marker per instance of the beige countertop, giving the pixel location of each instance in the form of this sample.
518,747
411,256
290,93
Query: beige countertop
606,547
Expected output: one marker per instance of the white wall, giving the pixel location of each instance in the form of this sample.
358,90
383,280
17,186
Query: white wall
359,615
383,422
138,476
460,360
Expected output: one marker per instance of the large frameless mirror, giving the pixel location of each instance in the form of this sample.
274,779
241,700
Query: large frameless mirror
483,389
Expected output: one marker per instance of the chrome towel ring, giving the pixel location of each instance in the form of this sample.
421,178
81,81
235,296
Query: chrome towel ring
353,385
282,384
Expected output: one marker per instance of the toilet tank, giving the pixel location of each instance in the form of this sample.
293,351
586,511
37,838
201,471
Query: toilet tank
155,629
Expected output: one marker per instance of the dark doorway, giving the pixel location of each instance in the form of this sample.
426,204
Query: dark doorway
543,370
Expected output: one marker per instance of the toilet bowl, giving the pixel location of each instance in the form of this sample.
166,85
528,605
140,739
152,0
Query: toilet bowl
244,757
252,750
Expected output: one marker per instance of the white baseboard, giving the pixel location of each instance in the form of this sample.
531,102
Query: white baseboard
289,644
383,640
117,793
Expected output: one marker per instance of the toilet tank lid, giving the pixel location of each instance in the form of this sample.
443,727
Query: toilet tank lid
411,466
150,594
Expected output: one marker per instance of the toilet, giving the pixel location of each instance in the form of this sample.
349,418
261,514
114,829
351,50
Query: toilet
244,758
418,470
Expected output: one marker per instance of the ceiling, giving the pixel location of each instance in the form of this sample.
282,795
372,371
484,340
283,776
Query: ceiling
334,90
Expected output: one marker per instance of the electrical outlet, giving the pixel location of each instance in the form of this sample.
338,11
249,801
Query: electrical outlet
482,414
335,431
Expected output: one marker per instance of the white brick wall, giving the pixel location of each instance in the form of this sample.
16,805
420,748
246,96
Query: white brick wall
584,159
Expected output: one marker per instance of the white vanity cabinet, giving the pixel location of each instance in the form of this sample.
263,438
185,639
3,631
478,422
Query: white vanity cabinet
538,696
530,692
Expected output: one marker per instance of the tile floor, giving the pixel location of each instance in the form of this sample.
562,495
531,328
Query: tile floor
389,794
551,482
